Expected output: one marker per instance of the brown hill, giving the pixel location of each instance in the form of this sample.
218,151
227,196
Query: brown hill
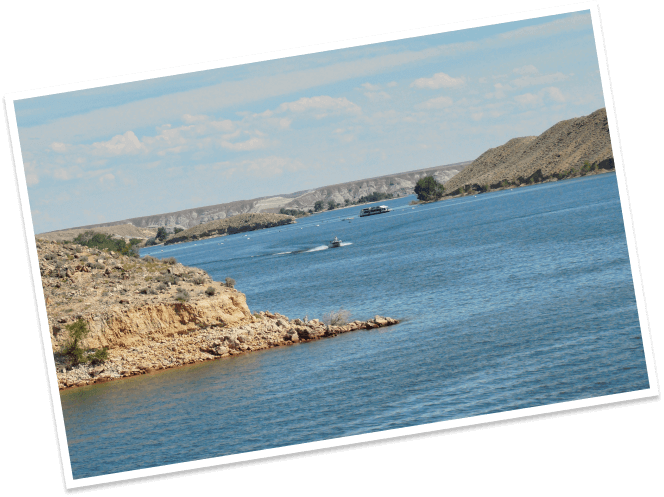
236,224
560,151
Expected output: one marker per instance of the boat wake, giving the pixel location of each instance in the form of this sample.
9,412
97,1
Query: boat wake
316,249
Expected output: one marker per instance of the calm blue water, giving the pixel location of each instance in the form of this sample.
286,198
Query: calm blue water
509,300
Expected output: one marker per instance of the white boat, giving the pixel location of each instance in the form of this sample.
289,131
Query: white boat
335,243
370,211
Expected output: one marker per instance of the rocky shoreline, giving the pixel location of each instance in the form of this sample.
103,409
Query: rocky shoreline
149,314
267,330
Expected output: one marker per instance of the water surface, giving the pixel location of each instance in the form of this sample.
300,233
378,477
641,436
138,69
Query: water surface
509,300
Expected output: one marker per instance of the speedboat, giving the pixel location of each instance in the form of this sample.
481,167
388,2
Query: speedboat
335,243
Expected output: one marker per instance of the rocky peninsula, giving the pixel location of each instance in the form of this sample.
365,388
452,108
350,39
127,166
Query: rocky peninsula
149,314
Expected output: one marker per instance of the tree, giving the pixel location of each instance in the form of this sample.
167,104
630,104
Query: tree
428,189
177,230
319,205
161,233
331,205
78,330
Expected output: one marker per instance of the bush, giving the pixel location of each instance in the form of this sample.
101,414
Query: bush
182,295
177,230
319,205
230,282
49,257
292,212
428,189
211,291
198,280
78,330
336,318
169,260
374,197
162,287
331,205
104,241
149,258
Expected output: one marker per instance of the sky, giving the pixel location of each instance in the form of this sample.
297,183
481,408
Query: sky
296,123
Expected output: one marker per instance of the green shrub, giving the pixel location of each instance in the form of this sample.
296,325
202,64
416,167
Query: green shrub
161,287
78,330
177,230
169,260
331,205
319,205
211,291
198,280
230,282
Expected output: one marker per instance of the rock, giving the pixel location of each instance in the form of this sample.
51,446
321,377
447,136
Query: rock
295,338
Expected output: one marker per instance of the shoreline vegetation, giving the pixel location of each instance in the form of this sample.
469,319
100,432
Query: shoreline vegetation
587,169
113,316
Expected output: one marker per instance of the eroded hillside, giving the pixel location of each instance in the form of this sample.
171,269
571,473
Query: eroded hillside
561,151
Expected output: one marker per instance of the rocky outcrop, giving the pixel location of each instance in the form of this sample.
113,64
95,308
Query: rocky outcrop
152,314
147,352
569,148
237,224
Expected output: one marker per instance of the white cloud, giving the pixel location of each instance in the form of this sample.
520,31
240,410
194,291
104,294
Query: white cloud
435,103
59,147
376,96
439,80
250,144
120,145
528,99
106,178
526,70
545,79
392,84
371,87
554,94
62,173
31,175
189,119
322,106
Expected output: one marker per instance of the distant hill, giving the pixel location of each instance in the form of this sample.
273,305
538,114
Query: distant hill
399,184
560,151
236,224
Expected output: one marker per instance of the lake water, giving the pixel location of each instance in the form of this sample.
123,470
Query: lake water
508,300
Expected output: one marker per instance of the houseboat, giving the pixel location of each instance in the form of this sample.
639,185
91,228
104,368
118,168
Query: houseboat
370,211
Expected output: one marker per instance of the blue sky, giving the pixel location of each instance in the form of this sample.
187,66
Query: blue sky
280,126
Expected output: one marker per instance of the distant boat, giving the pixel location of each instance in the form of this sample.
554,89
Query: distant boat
370,211
335,243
